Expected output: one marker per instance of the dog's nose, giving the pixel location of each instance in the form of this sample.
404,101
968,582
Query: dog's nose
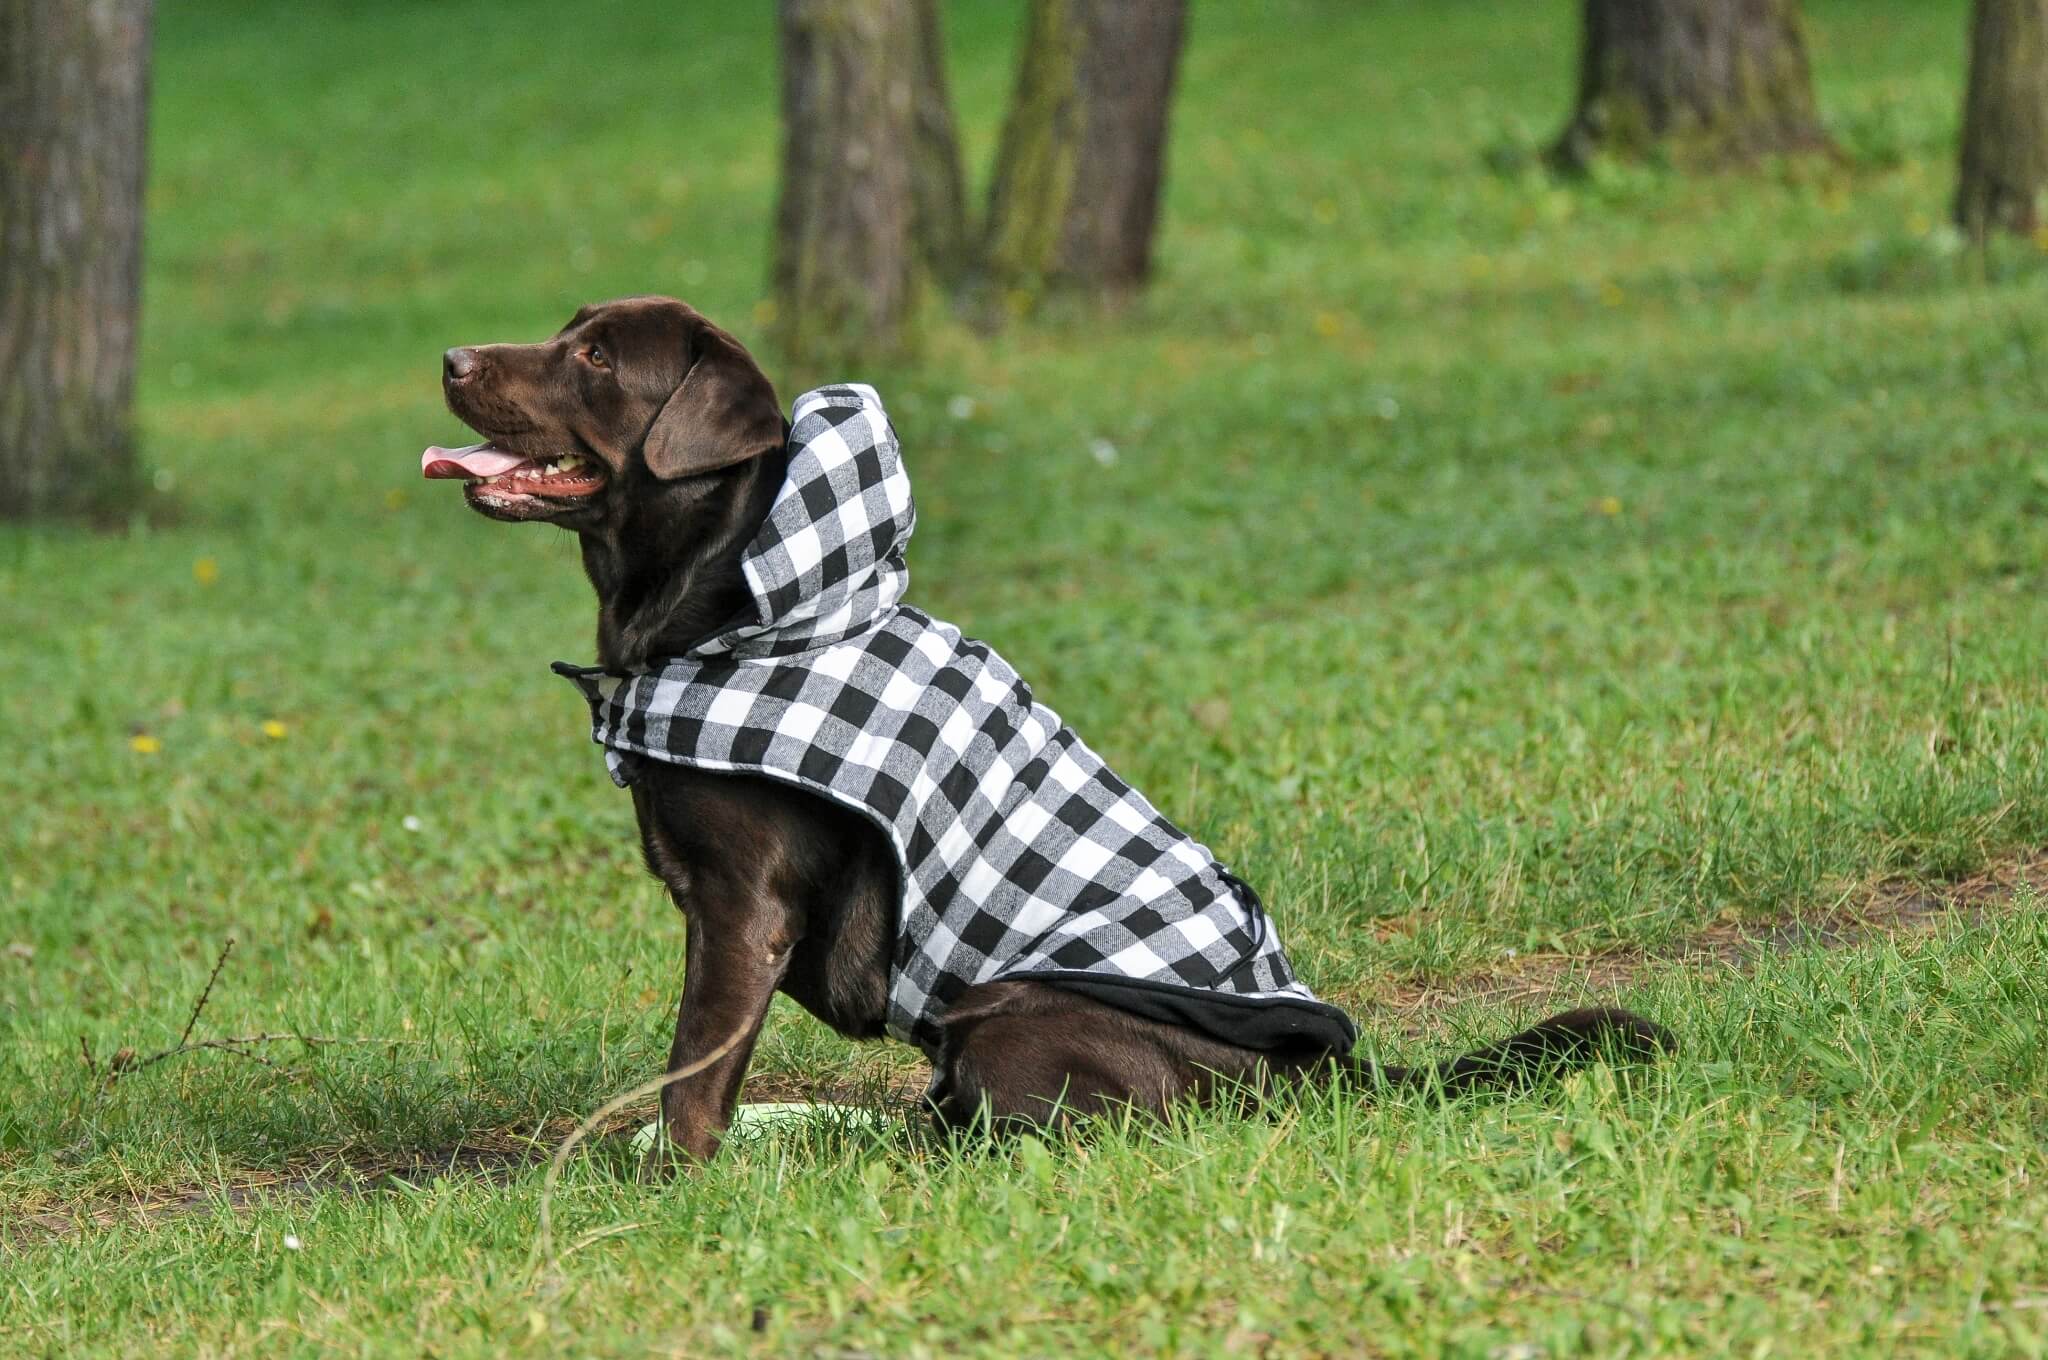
458,364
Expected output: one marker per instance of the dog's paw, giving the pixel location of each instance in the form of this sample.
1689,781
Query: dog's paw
664,1155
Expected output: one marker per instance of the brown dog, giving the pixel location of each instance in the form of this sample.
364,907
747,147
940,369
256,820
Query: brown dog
654,436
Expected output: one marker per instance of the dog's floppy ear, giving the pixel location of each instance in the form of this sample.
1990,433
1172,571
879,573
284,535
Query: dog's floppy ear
723,412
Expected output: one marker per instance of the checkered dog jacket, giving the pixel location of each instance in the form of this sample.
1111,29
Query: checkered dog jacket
1020,854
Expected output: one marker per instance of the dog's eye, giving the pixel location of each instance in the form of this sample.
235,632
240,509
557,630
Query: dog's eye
594,356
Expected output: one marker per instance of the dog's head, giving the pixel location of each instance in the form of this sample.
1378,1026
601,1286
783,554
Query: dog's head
628,397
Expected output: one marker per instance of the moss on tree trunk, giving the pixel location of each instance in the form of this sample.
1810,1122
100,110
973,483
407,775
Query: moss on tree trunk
2004,162
845,271
1701,82
74,97
1083,155
936,180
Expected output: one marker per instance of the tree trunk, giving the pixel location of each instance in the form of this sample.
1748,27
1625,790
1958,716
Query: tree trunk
2005,119
937,185
74,95
1083,153
1706,82
845,272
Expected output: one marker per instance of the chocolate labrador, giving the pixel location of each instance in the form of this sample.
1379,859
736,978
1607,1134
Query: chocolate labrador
657,439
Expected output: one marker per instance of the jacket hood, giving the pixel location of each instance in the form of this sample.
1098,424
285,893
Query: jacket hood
828,561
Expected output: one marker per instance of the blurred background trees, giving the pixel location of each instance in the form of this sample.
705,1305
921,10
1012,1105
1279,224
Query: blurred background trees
1704,82
874,199
845,262
1076,192
2004,159
74,87
876,209
936,178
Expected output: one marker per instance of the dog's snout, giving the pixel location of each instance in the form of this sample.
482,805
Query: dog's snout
458,364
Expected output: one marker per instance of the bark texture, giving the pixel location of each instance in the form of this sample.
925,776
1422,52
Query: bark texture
1705,82
74,96
1083,155
2004,164
845,270
937,183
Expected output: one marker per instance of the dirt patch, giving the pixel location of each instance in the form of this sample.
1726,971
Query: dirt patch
1886,910
900,1089
494,1157
490,1157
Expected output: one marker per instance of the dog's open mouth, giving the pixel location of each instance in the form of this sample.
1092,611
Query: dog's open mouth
493,474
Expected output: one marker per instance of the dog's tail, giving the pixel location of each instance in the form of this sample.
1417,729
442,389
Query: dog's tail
1570,1040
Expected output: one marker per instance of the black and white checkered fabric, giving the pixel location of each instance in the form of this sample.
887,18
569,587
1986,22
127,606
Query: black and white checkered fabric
1021,853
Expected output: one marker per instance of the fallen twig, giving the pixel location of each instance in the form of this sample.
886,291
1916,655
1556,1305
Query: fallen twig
124,1060
223,1045
238,1044
544,1243
206,993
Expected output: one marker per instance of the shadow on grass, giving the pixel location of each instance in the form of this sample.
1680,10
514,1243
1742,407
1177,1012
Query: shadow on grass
1886,910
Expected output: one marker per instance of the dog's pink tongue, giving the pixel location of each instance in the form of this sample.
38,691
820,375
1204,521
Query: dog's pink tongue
477,460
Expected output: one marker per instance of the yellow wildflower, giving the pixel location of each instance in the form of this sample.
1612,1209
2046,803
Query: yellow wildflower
1608,505
143,744
205,571
274,729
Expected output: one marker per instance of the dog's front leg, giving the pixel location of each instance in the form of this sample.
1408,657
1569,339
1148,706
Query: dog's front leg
739,948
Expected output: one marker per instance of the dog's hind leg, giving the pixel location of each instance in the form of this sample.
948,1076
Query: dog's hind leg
1026,1055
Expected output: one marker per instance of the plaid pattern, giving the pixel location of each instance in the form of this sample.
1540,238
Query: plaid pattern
1021,853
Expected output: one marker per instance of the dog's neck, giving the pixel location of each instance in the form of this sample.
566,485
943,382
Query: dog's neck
669,573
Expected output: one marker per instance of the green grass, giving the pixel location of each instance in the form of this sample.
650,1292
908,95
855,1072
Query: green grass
1487,565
